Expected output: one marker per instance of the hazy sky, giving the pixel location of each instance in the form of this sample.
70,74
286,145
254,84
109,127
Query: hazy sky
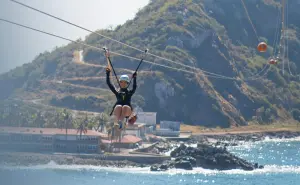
19,45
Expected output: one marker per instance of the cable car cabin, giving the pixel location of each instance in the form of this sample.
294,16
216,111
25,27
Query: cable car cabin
262,47
272,61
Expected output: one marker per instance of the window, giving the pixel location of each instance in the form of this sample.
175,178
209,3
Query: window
47,138
61,146
47,147
92,147
82,147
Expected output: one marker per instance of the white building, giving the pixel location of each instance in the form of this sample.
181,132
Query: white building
147,118
137,130
172,125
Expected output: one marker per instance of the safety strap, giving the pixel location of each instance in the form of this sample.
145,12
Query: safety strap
146,50
108,58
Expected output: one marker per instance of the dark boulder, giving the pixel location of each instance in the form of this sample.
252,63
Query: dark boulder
192,160
210,157
158,168
186,165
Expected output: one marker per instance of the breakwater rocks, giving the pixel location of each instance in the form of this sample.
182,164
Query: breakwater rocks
205,156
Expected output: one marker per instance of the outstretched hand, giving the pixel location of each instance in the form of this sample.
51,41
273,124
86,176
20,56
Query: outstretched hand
107,54
134,75
107,70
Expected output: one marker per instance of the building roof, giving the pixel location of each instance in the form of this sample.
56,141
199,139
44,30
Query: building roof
48,131
135,126
128,139
147,113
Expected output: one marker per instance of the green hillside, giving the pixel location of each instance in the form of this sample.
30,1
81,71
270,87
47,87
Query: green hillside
211,35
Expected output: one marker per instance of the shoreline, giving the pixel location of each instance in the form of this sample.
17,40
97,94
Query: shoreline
34,159
115,160
253,128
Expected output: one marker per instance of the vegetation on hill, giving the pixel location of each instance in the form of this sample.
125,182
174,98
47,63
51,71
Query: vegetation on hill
214,36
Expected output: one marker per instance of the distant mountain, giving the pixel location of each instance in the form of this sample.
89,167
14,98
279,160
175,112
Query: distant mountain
212,35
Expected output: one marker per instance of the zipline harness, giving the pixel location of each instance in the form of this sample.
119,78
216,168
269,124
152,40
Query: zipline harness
107,55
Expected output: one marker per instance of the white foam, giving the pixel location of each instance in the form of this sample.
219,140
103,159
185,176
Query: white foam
268,139
249,144
269,169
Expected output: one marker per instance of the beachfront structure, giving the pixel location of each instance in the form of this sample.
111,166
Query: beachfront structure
149,130
25,139
147,118
127,141
137,130
172,125
167,133
168,129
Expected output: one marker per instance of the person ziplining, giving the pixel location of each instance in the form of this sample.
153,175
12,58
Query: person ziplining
122,108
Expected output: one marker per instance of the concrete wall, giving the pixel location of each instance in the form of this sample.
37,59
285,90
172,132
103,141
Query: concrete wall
135,158
172,125
126,145
149,130
167,133
46,143
133,132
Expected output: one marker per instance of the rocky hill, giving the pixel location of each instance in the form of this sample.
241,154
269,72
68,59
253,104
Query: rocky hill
211,35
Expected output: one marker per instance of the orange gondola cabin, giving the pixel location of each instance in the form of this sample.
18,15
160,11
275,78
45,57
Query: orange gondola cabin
262,47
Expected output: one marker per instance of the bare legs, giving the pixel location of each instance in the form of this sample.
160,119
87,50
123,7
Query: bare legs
118,112
122,112
126,112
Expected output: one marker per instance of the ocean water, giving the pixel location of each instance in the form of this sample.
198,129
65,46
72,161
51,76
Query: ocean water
280,157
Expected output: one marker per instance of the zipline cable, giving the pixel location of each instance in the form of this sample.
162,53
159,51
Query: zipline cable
283,35
55,17
110,64
248,16
220,76
287,41
217,75
101,49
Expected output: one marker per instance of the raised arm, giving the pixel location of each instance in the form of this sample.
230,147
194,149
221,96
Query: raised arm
134,83
111,87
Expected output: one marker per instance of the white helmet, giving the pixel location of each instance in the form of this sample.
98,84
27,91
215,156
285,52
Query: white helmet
124,78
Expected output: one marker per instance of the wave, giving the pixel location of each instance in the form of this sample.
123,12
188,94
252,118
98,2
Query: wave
268,139
245,144
269,169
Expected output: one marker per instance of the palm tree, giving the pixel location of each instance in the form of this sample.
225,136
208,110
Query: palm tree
58,119
25,119
65,119
38,120
83,126
110,129
102,119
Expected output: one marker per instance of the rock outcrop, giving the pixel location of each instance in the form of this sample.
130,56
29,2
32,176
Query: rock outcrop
205,156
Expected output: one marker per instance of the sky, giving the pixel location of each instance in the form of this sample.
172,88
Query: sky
19,45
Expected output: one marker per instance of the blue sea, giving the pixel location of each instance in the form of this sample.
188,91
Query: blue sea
280,157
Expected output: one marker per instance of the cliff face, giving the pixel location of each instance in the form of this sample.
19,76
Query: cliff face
210,35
